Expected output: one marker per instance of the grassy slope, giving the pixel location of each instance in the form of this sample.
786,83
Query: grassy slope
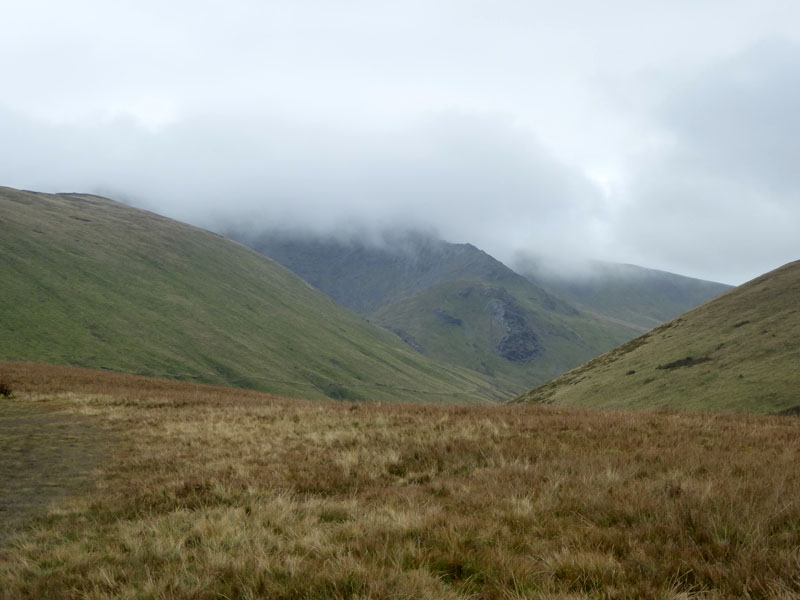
406,283
209,493
642,298
90,282
738,353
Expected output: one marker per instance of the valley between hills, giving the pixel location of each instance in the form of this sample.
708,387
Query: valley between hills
457,304
94,283
184,416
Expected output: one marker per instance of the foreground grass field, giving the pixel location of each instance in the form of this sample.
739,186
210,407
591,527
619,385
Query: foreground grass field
215,493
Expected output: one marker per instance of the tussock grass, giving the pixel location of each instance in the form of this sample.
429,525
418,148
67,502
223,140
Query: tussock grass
215,493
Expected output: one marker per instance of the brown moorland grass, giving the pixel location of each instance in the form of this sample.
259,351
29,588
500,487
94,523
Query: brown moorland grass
219,493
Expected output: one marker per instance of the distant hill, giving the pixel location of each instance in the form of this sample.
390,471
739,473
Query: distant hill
639,297
451,302
737,353
89,282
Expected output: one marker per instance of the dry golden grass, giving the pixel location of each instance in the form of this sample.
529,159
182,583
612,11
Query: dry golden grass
216,493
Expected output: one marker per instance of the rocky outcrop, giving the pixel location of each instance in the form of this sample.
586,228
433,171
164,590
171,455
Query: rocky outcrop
517,342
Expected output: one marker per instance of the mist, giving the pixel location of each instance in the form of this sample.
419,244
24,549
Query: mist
475,178
665,136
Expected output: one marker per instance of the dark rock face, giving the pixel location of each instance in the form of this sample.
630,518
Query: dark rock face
519,342
519,346
449,319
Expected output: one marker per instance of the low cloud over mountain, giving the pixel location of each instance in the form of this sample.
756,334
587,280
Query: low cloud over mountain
664,138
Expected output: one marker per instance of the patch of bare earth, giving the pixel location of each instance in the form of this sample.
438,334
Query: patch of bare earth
46,453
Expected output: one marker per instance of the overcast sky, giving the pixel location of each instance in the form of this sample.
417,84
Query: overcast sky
661,133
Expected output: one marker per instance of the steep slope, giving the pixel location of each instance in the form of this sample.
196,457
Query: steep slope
639,297
452,302
737,353
91,282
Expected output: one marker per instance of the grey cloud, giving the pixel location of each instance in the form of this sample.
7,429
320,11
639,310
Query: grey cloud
740,118
483,122
476,178
724,193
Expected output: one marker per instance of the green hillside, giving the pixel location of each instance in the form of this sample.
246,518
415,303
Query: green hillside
737,353
642,298
452,302
91,282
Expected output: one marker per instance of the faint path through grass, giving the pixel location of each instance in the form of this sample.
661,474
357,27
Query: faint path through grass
45,453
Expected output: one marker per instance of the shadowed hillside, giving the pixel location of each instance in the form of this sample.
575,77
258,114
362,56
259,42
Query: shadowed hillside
91,282
737,353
